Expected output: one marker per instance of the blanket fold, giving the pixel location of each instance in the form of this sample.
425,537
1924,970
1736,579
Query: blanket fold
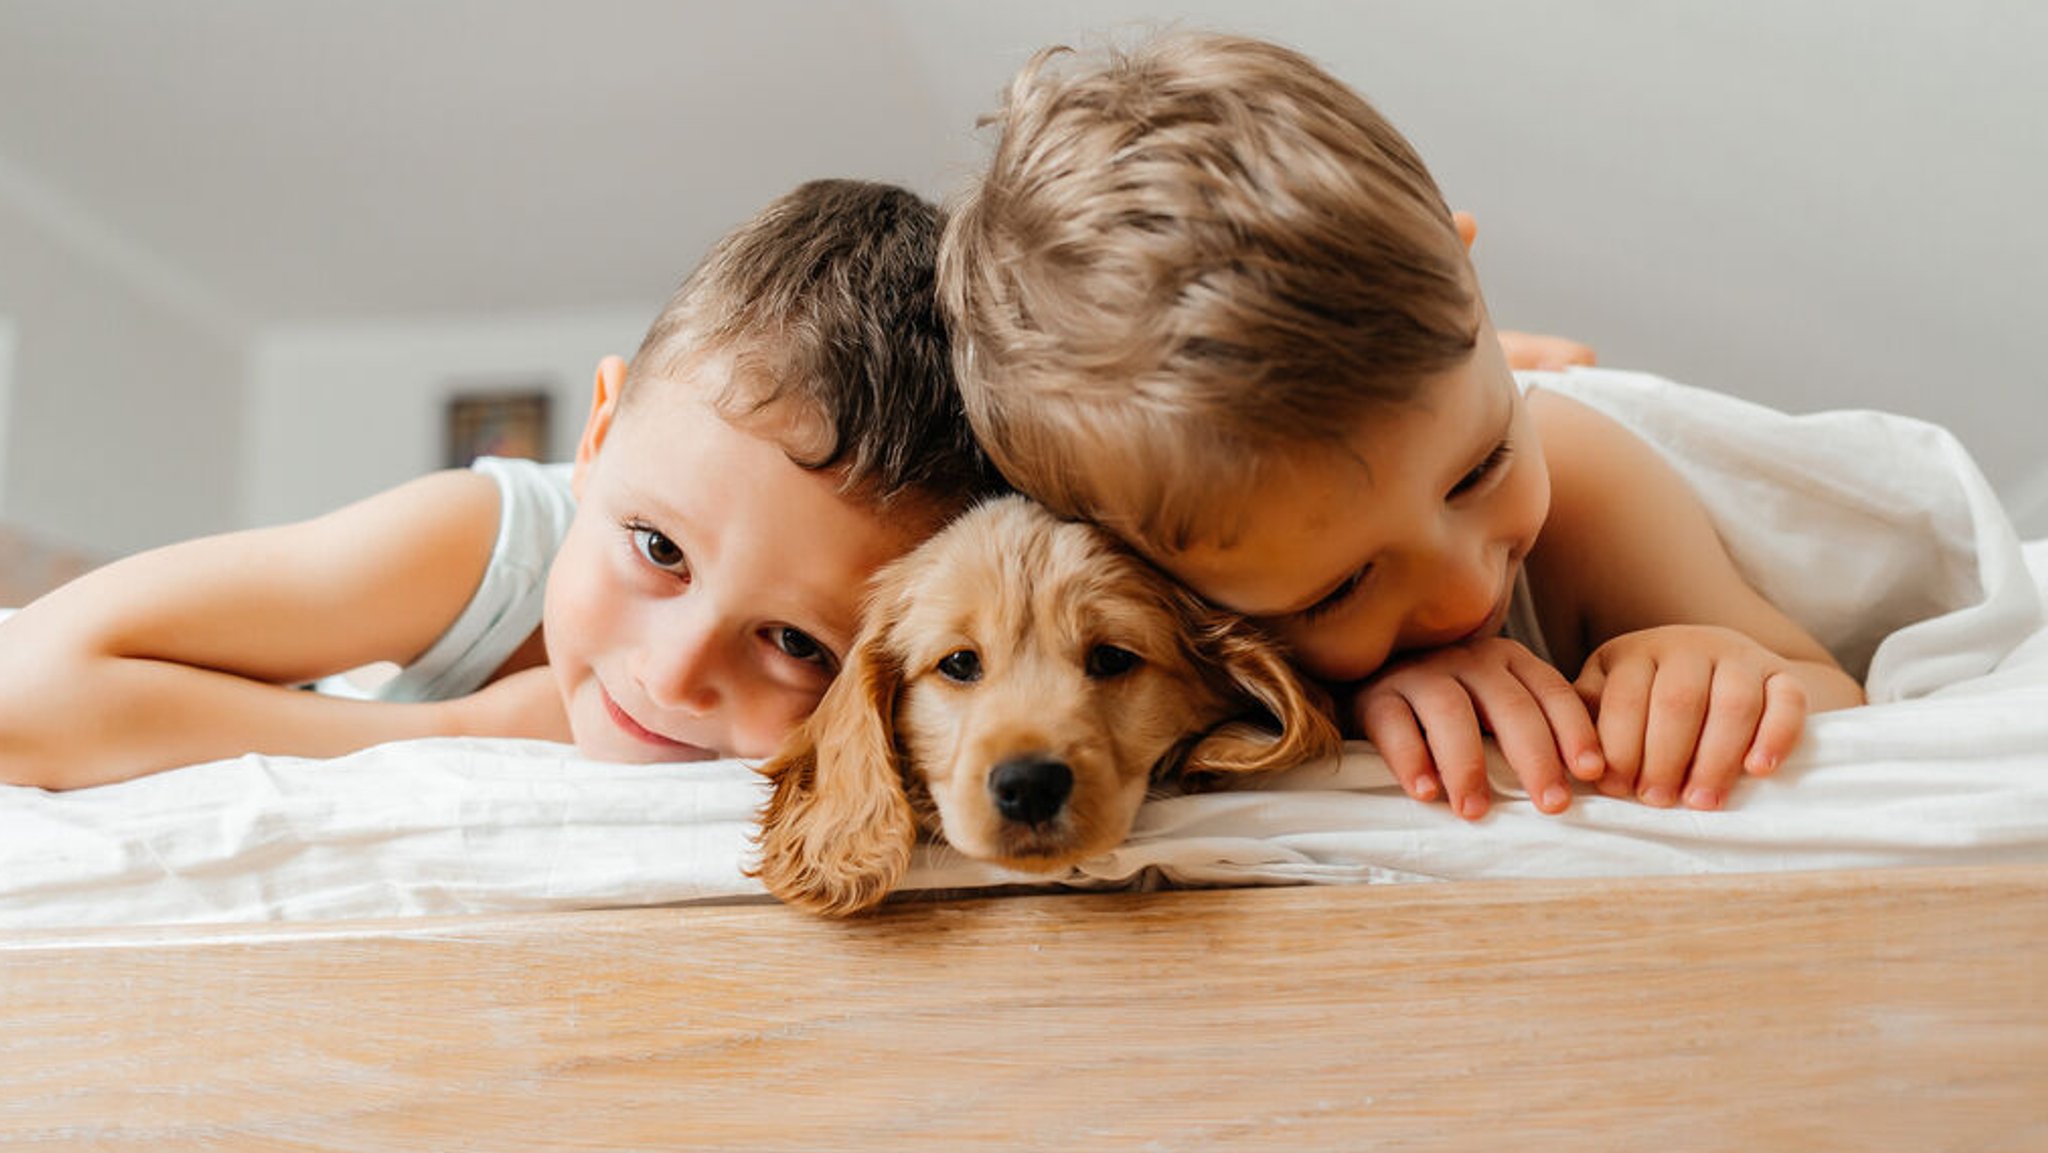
1876,532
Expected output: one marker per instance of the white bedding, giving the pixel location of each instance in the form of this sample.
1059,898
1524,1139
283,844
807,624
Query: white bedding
1832,513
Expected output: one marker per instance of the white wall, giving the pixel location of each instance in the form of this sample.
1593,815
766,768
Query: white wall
124,420
6,397
338,412
1825,204
1820,204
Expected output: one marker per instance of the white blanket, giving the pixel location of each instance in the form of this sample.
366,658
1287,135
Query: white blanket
1876,532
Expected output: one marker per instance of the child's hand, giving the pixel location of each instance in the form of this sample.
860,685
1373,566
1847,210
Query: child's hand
1684,710
1542,352
1426,715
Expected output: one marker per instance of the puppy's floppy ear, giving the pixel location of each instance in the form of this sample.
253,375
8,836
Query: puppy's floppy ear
837,834
1258,674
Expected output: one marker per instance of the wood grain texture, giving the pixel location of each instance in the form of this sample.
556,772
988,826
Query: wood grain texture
1862,1010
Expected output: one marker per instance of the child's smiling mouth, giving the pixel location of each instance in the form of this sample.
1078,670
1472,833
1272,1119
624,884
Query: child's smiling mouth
645,735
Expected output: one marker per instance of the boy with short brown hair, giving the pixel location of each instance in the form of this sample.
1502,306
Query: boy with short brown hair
684,591
1206,296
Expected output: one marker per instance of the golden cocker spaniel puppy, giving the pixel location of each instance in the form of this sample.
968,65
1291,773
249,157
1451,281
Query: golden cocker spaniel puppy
1018,686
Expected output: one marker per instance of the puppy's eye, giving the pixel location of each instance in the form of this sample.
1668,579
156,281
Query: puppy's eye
1106,661
962,666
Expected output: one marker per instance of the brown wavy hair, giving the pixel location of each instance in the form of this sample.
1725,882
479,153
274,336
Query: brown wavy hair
825,303
1186,261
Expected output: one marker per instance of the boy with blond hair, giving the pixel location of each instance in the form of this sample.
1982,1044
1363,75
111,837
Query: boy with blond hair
1206,296
684,591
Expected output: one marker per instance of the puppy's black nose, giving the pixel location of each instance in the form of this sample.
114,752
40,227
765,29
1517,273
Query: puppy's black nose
1030,790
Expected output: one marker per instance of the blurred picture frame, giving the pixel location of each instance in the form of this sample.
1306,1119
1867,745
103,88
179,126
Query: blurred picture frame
498,422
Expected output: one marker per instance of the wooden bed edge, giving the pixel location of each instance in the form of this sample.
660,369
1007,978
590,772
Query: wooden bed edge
1830,1010
2019,881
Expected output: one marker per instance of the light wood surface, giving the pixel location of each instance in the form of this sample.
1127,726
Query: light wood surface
1868,1010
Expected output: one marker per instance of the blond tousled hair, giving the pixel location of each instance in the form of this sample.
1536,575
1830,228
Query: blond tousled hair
1187,264
824,303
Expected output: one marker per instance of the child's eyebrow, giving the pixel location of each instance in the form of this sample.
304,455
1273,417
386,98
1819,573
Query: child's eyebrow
1513,393
1486,447
646,499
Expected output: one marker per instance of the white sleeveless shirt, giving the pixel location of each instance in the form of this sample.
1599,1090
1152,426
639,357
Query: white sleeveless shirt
535,506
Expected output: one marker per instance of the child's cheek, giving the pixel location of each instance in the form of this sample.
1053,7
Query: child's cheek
767,721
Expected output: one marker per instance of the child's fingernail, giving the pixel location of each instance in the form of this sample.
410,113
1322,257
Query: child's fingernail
1760,764
1657,796
1555,798
1589,764
1473,807
1704,799
1424,788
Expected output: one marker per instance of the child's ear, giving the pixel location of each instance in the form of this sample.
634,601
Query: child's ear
604,405
1468,228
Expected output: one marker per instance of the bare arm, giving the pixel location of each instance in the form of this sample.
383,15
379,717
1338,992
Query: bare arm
1628,546
1695,678
182,654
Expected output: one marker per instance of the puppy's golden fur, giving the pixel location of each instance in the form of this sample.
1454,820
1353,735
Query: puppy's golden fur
1015,639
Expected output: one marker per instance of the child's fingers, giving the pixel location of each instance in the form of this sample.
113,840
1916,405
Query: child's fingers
1390,725
1679,697
1509,709
1784,717
1542,351
1451,727
1570,722
1504,705
1733,714
1621,712
1556,354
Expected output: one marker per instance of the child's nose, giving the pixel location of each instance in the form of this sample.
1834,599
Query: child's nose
1458,597
684,663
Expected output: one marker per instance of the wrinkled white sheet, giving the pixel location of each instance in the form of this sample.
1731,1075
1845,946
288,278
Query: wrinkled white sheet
1827,513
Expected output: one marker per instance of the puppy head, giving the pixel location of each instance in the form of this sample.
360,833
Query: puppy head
1019,684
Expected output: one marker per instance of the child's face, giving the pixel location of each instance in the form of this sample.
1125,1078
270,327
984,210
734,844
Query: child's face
708,586
1414,544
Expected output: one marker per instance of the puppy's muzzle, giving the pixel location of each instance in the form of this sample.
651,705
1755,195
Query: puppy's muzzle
1030,790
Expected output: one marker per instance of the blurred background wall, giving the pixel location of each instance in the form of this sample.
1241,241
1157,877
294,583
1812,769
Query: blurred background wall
249,251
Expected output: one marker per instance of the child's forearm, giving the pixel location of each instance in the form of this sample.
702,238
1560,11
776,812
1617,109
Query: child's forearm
110,719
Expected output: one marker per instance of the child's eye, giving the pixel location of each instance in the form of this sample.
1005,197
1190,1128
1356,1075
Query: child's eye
800,645
1336,598
658,550
1492,464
